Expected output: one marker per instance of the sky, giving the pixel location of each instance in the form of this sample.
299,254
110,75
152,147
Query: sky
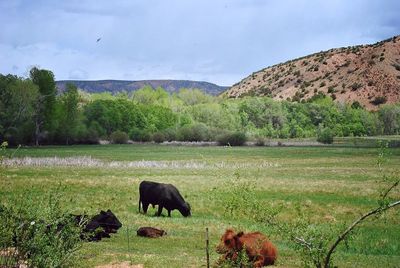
218,41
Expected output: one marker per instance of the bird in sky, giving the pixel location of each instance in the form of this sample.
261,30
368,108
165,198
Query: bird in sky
98,39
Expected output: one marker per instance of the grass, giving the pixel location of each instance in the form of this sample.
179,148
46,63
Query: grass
334,184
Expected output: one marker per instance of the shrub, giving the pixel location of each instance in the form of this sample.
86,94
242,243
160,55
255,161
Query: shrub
119,137
159,137
379,100
260,141
356,105
396,66
197,132
325,135
140,135
185,133
200,132
38,233
232,139
355,86
170,134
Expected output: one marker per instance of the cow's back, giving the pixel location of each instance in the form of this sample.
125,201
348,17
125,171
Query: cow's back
149,191
258,244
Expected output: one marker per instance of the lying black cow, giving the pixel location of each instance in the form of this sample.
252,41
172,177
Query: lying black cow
99,226
164,195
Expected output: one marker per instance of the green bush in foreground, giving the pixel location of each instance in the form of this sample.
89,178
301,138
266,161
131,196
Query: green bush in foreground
37,233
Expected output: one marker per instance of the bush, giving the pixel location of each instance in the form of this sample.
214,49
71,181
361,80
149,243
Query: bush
355,86
356,105
232,139
119,137
170,134
140,135
379,100
200,132
38,233
260,141
159,137
325,135
197,132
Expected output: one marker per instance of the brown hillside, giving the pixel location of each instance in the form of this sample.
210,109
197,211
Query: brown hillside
369,74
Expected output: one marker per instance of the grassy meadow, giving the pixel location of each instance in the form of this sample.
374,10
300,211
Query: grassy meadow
334,185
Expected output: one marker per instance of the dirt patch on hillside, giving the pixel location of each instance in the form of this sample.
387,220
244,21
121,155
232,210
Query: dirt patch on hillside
368,74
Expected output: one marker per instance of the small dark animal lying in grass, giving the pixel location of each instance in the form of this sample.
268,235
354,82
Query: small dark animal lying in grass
150,232
99,226
259,249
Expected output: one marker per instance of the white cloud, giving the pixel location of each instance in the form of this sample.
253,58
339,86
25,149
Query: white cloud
219,41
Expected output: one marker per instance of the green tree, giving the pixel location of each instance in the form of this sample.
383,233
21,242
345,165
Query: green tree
390,117
118,114
147,95
17,108
44,118
193,96
70,101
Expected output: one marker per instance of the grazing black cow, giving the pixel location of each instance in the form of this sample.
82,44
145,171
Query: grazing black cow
99,226
164,195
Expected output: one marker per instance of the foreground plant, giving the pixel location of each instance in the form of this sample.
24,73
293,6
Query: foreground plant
316,243
37,232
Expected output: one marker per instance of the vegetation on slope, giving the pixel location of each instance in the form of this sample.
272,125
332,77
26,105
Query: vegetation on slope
368,74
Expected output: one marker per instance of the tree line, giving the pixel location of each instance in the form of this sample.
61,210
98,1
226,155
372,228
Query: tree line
32,111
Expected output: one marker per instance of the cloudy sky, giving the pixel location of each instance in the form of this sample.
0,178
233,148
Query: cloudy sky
219,41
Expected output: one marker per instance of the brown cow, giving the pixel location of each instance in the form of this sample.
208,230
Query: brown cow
150,232
258,248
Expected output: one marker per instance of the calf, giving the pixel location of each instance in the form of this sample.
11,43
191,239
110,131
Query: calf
164,195
257,246
150,232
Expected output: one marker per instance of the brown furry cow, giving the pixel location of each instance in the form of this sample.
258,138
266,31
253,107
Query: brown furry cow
258,248
150,232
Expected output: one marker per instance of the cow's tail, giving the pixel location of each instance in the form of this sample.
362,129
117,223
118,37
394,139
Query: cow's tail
140,201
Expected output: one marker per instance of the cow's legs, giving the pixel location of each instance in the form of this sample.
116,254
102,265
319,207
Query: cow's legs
159,210
169,213
259,262
145,207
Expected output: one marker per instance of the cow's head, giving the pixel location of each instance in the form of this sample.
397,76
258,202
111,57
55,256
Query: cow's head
108,221
229,242
185,209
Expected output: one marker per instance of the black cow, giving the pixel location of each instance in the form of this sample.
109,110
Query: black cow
164,195
99,226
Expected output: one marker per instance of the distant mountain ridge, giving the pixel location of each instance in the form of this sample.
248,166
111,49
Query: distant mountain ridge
115,86
368,74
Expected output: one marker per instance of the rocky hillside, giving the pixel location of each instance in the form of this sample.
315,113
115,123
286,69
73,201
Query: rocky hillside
119,85
369,74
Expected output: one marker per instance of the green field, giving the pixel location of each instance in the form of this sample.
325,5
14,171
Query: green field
335,185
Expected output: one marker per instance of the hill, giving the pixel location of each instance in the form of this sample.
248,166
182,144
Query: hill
369,74
119,85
